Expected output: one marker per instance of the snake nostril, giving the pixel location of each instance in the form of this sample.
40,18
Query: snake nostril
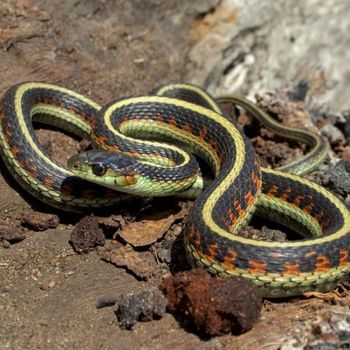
76,166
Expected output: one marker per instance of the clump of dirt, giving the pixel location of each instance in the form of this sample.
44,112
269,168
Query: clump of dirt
40,221
87,234
10,235
215,306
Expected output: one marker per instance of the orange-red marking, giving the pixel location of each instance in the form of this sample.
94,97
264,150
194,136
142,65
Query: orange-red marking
187,128
160,119
172,122
308,208
319,215
231,215
100,140
8,135
291,269
256,179
194,237
114,148
238,207
249,198
285,195
230,258
297,200
34,171
203,134
324,224
272,191
15,150
256,266
212,251
48,181
214,144
343,257
322,264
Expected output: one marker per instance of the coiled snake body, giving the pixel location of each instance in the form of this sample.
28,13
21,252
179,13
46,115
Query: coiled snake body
188,117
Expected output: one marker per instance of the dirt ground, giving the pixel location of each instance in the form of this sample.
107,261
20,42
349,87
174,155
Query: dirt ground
48,292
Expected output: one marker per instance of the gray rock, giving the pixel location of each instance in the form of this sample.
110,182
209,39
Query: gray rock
257,45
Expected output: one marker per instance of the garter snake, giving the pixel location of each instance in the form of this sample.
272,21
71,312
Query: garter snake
190,118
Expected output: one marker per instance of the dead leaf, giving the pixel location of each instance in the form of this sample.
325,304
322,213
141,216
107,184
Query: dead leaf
141,264
145,232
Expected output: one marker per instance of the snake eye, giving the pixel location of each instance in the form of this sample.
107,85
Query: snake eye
99,169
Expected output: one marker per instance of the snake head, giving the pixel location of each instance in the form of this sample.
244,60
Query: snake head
114,170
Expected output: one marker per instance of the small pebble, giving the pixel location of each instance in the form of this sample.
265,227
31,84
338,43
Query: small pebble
6,244
46,285
144,306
